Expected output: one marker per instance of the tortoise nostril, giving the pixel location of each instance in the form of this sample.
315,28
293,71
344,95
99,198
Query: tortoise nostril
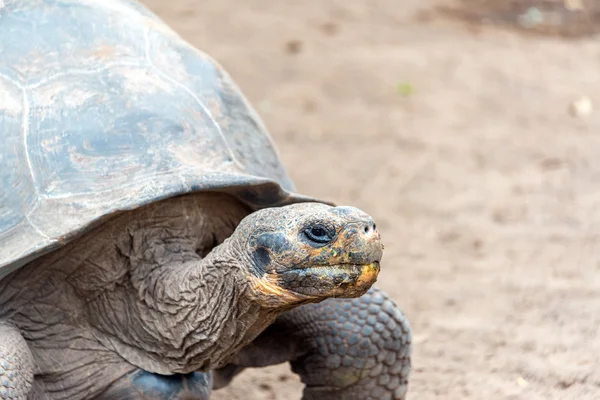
370,227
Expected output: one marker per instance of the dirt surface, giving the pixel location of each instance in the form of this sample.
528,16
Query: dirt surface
461,139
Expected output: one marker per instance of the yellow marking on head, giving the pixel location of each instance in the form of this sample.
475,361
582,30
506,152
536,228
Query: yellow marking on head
274,294
369,274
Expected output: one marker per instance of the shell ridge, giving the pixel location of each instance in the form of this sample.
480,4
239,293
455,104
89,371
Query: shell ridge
25,134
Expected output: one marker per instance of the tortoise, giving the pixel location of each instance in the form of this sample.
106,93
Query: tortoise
152,245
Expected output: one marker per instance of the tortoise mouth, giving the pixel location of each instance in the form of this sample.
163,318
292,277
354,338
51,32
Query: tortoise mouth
335,269
298,286
339,280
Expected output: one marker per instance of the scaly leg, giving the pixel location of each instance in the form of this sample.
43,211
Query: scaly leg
16,364
343,349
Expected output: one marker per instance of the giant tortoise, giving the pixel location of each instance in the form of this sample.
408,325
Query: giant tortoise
152,246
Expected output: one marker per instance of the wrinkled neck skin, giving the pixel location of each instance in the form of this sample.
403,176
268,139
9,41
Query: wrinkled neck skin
184,315
148,286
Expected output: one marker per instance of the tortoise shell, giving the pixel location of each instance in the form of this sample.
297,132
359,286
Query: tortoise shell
104,108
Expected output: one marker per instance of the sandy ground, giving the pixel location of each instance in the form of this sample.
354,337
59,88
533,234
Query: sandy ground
458,138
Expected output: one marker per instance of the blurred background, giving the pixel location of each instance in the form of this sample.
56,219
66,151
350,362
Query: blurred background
468,129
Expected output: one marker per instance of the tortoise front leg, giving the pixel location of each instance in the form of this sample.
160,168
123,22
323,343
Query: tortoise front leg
343,349
16,364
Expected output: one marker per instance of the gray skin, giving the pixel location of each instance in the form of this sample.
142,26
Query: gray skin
151,243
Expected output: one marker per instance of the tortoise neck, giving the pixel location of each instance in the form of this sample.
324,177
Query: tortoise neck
201,313
189,295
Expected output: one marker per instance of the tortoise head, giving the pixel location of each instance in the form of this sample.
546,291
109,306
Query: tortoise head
309,252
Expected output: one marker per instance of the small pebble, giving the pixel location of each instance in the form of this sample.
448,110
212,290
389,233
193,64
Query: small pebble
581,107
294,46
521,381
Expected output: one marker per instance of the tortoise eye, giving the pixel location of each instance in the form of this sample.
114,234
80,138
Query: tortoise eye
318,234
